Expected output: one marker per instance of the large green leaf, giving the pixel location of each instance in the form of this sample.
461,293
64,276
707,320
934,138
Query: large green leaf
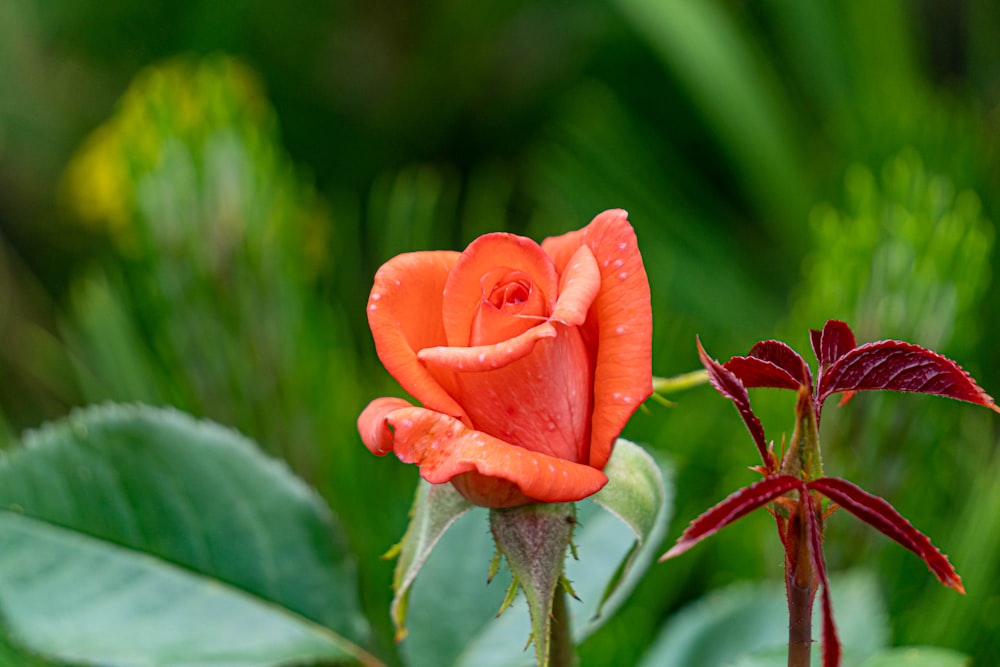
132,536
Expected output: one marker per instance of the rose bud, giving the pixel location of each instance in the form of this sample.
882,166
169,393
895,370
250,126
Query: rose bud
527,359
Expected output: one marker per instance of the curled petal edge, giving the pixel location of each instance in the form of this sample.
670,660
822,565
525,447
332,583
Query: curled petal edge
444,448
578,287
372,425
487,357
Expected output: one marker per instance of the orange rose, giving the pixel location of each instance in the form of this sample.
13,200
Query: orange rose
528,359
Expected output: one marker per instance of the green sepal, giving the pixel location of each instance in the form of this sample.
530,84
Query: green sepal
534,540
567,586
637,494
509,597
494,566
435,508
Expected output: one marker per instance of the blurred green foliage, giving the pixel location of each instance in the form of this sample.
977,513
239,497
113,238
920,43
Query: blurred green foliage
194,197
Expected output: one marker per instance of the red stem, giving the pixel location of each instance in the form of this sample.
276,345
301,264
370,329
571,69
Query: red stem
801,585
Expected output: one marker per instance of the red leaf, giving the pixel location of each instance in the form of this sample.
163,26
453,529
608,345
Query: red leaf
771,363
737,505
831,644
880,514
832,343
730,386
897,366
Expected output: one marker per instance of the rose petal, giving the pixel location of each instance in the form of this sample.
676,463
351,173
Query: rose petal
404,313
540,402
373,427
620,319
485,357
578,287
463,291
444,448
511,305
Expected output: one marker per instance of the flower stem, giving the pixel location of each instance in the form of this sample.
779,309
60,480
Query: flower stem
561,652
800,602
801,584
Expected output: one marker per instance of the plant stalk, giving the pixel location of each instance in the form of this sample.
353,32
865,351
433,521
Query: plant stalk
800,603
561,653
801,585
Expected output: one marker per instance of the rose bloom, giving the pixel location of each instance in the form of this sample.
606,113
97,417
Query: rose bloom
528,361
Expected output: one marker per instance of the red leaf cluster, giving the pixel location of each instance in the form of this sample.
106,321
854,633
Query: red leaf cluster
845,368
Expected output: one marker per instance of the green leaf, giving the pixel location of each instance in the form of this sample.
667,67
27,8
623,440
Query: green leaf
917,656
636,493
131,535
12,654
435,508
747,625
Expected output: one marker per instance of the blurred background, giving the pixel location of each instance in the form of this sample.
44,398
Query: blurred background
194,197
